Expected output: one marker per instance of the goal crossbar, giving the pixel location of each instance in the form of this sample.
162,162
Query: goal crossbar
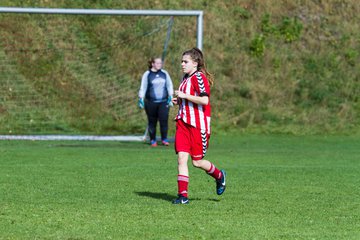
197,13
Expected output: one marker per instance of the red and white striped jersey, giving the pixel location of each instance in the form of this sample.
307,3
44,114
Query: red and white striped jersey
193,114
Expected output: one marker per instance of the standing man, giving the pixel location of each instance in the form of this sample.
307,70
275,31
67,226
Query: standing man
155,95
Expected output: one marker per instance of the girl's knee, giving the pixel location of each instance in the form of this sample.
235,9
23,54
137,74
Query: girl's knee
182,159
196,163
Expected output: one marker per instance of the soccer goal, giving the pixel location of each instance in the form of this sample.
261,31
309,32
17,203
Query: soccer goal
74,74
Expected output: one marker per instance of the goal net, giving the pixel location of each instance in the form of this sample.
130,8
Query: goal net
78,75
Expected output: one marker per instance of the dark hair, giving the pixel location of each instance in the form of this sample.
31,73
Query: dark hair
197,56
151,61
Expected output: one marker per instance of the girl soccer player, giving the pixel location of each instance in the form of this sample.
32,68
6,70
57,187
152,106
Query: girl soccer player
193,123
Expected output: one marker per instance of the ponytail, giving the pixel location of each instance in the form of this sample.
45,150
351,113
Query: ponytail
150,62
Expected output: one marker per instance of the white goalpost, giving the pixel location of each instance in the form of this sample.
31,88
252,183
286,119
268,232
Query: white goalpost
78,78
198,14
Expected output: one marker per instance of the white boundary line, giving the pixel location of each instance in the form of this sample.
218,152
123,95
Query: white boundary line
72,138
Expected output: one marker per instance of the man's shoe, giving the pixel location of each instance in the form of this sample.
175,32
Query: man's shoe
165,142
153,143
181,200
221,183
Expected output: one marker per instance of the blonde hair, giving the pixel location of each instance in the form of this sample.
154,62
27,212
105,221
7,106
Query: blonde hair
197,56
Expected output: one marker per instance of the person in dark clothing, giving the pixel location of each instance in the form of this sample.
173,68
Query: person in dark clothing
155,95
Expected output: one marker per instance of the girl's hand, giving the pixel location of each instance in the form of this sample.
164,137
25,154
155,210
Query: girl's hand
180,94
174,101
202,100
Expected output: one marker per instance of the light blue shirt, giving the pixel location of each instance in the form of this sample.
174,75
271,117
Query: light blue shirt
156,86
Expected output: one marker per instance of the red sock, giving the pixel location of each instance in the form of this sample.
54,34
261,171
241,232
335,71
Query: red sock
214,172
183,182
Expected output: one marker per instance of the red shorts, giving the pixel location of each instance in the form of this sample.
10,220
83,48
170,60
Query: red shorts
191,140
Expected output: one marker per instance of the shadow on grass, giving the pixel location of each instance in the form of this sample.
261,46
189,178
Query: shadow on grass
214,200
157,195
168,197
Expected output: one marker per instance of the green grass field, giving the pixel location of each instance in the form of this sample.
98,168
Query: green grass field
279,187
